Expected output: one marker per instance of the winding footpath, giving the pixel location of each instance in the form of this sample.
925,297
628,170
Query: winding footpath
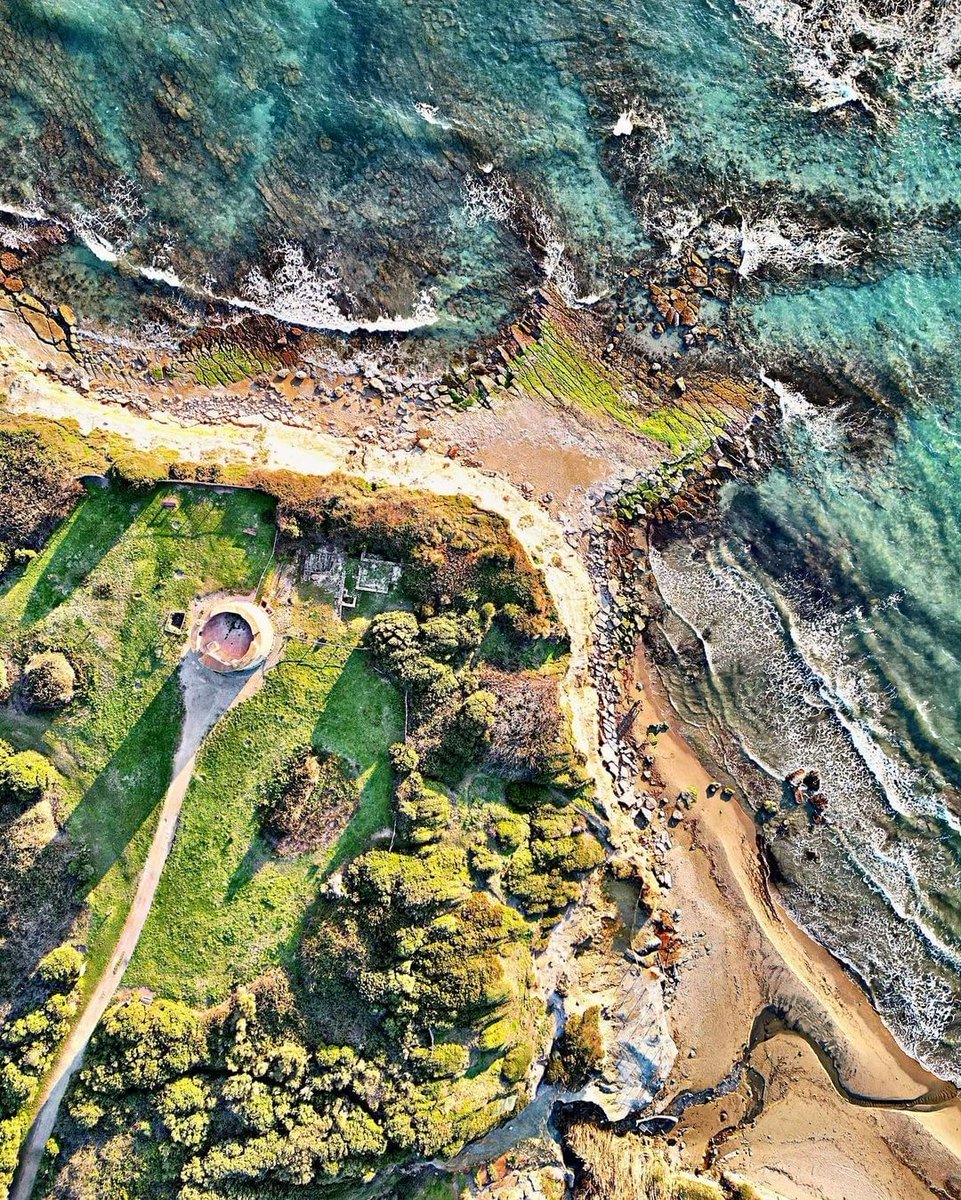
206,698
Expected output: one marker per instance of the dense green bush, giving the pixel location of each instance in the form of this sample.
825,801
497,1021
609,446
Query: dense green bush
404,758
26,777
144,1046
579,1052
29,1040
423,811
61,968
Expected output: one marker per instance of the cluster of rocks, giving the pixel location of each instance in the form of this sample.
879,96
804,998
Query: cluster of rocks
688,489
70,373
617,561
532,1170
54,325
806,791
678,301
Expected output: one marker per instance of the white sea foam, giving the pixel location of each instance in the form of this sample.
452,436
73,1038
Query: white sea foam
494,199
557,265
301,294
624,125
431,114
776,242
108,229
25,231
820,424
487,199
295,292
32,213
675,225
916,42
797,695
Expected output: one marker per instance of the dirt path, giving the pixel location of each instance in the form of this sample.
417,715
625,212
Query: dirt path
206,698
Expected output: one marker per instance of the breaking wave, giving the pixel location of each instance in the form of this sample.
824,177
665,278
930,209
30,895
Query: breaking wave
303,295
841,49
490,197
793,696
295,292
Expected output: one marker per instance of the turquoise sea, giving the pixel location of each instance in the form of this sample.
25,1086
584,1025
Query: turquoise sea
415,166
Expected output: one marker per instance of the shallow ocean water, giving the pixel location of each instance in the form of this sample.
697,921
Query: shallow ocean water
416,165
819,626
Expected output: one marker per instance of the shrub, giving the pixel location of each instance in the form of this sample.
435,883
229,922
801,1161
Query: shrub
61,968
527,796
484,861
517,1062
449,1060
450,636
308,803
141,468
141,1045
560,841
541,892
461,736
423,811
580,1051
391,634
510,831
27,777
289,527
531,736
404,758
49,681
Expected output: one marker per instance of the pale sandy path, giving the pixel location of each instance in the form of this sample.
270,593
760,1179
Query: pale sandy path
206,698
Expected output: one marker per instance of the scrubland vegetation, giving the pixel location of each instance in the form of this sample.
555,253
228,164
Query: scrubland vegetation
337,968
610,1166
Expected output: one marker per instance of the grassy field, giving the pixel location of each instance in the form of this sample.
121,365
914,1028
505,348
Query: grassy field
102,590
227,908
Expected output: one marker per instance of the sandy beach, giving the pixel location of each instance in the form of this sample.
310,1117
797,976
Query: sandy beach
741,950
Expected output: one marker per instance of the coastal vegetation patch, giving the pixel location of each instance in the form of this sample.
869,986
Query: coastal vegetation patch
336,974
559,368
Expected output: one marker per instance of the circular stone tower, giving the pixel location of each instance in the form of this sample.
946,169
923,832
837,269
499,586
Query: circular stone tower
232,635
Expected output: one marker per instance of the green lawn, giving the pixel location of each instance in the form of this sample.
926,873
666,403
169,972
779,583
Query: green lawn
102,590
227,908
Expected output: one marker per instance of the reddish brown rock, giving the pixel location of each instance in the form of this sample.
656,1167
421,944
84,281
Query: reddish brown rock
46,329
